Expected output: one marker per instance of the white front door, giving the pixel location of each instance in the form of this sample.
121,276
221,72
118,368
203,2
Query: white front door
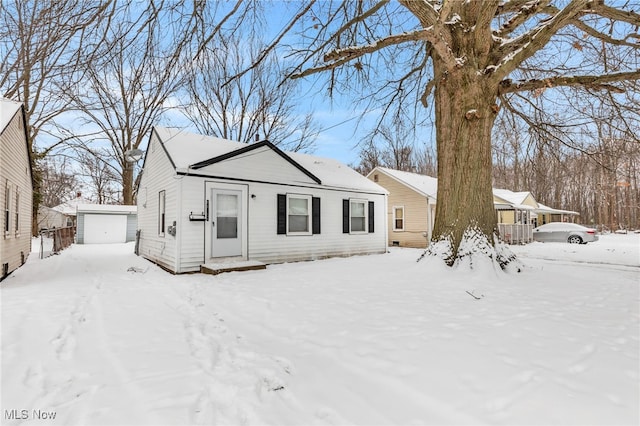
225,227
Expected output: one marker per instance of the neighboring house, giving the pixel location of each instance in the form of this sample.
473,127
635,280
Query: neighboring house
412,201
69,209
515,207
547,214
103,224
16,191
49,218
411,205
208,200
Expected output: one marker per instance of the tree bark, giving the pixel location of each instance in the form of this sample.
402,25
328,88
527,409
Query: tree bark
127,184
465,106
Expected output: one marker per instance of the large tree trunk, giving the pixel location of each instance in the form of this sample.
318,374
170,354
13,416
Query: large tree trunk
127,184
465,112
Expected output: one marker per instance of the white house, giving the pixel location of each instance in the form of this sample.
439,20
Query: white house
16,190
208,200
104,223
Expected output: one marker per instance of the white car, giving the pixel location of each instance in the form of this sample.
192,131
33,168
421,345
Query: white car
564,232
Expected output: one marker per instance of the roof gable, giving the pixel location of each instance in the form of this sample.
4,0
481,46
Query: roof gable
195,154
8,110
254,147
422,184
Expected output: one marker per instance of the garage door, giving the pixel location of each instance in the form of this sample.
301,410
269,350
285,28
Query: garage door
105,228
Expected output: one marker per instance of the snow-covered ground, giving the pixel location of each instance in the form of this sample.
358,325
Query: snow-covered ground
98,336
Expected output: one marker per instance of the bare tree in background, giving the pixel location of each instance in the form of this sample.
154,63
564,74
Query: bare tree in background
259,104
102,175
390,145
59,182
473,57
122,96
43,44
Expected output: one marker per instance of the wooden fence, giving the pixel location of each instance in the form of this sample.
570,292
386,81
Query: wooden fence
517,233
62,238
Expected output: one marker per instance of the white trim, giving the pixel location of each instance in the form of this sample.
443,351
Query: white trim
365,203
403,218
309,230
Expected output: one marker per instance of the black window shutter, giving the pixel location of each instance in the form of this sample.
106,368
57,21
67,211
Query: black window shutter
282,214
371,217
315,215
345,216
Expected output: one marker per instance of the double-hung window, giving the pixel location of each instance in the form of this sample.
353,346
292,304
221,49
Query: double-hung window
398,218
298,214
358,216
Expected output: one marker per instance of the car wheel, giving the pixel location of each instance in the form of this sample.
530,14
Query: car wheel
575,239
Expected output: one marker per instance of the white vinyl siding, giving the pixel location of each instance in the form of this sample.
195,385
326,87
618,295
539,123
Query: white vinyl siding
158,175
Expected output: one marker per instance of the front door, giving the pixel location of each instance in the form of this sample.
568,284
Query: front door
225,228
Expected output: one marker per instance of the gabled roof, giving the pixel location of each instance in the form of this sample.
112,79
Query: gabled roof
423,184
248,148
8,110
191,152
512,197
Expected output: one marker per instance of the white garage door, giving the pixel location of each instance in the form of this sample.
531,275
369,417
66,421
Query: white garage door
105,228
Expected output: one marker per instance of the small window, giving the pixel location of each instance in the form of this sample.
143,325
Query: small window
17,212
298,214
398,218
375,177
161,213
7,208
358,216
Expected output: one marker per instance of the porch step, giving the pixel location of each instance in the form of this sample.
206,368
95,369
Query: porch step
219,268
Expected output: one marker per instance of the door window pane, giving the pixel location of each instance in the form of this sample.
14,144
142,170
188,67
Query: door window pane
226,216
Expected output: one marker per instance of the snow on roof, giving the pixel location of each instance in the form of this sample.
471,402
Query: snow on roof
106,208
8,109
69,207
510,196
546,209
423,184
187,148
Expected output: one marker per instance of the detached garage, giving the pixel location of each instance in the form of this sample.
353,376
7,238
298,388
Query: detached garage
105,224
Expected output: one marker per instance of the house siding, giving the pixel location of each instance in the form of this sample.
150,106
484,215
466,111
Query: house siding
158,175
264,243
261,164
415,212
15,174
